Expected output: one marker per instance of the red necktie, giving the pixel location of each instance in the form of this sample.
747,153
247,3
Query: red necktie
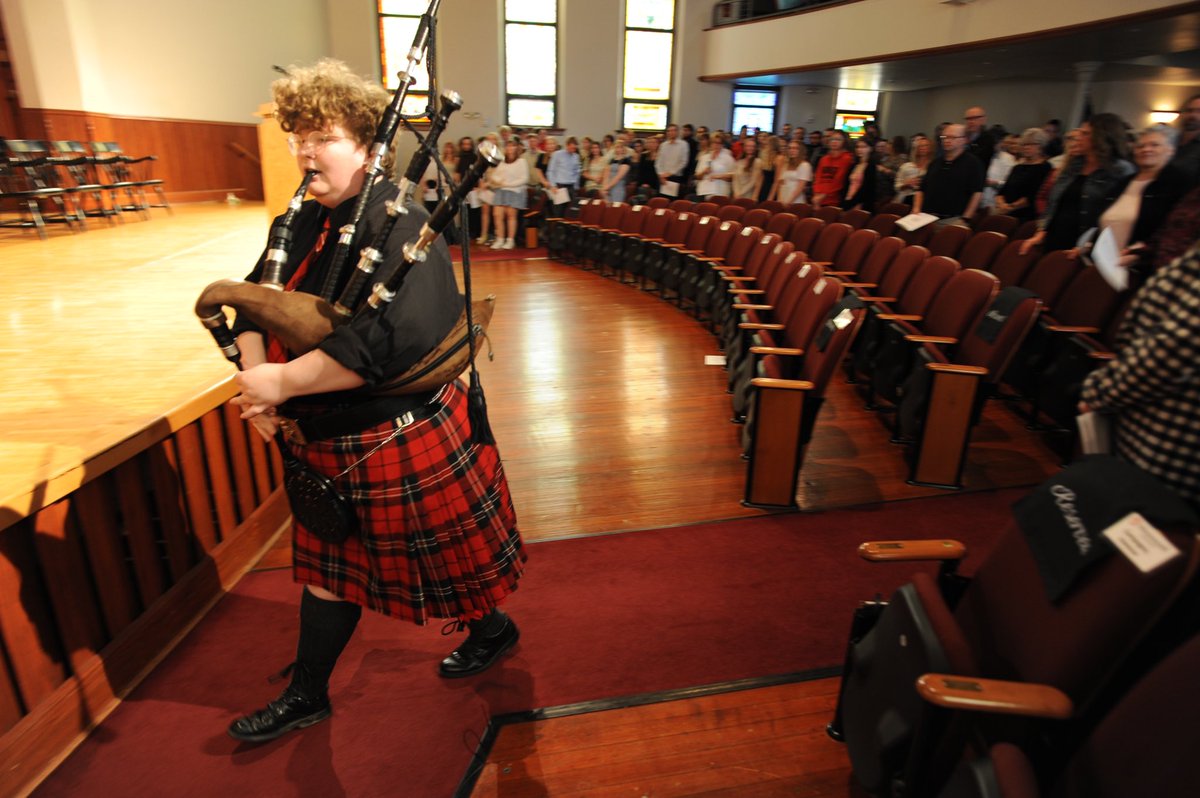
276,352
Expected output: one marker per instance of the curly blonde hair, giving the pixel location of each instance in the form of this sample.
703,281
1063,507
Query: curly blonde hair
328,93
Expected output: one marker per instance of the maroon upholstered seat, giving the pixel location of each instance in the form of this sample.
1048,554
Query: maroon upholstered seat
804,233
827,213
949,240
781,223
856,218
1010,266
981,249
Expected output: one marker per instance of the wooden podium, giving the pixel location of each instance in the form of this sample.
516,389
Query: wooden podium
280,176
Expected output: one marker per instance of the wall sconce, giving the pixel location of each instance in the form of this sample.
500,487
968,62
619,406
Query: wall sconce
1163,117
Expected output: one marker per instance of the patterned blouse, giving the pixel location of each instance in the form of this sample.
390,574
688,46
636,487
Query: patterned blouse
1153,384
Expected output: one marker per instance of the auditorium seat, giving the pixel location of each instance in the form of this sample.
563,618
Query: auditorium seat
781,223
705,276
656,254
731,212
136,172
745,202
784,412
852,254
804,233
719,200
681,205
653,232
827,213
856,218
883,223
745,300
942,398
658,202
774,206
997,223
949,240
829,242
613,243
729,275
803,210
981,250
1032,613
756,217
672,265
590,238
1010,266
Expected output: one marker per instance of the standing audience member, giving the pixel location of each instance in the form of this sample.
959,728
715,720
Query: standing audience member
509,181
998,170
672,163
1083,185
647,169
595,165
483,194
747,172
908,176
861,182
767,157
714,169
1139,204
794,174
953,183
1017,197
1054,142
889,157
980,141
829,176
815,146
1150,387
1187,151
613,188
563,172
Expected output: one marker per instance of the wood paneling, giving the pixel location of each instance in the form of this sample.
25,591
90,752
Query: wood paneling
198,161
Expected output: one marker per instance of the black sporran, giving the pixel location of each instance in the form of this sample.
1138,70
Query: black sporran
316,504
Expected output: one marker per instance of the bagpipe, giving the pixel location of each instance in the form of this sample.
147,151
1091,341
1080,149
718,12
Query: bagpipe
301,321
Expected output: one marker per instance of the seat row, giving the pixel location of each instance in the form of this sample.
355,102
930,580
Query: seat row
67,182
941,322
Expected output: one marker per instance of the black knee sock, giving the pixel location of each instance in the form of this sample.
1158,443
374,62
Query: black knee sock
325,628
489,625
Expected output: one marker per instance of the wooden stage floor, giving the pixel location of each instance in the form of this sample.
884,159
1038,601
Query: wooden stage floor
605,413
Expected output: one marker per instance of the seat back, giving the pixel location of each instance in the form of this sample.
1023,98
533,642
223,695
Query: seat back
679,227
742,245
883,223
898,275
801,277
730,212
634,219
949,240
759,254
756,217
808,314
774,206
981,250
919,237
829,243
1050,276
781,267
1010,266
705,208
719,200
699,232
879,259
853,253
745,202
925,284
611,218
999,333
655,225
658,202
1025,230
591,211
827,213
998,223
722,239
680,205
960,303
898,208
804,233
781,223
824,354
803,210
856,218
1087,301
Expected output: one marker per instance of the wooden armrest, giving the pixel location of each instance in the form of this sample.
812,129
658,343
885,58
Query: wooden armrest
777,350
749,291
725,267
931,339
739,278
955,368
860,285
655,240
898,550
710,260
1063,328
690,251
787,385
1102,355
882,299
994,695
744,306
669,245
829,273
821,263
748,325
900,316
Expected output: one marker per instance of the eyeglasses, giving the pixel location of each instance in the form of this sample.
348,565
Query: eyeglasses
951,138
312,144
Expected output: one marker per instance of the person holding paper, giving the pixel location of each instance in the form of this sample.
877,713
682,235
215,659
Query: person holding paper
672,160
1152,385
953,184
563,174
908,176
1139,204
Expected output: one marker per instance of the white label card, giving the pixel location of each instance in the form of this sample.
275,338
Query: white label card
1140,542
714,360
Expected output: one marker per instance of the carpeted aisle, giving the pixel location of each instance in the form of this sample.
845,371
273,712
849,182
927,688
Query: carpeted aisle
600,617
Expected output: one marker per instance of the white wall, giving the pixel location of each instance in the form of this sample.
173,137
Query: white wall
149,58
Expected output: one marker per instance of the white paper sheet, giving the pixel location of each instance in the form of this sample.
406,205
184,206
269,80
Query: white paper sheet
1107,258
669,188
915,221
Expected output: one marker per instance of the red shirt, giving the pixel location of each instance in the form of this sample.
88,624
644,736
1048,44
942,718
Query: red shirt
829,178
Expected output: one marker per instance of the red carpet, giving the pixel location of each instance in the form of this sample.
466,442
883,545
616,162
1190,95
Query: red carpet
600,617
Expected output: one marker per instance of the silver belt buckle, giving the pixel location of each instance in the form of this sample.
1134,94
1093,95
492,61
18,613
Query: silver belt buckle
404,420
291,432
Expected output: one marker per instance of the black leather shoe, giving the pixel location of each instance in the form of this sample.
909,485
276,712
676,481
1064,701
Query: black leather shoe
290,711
477,653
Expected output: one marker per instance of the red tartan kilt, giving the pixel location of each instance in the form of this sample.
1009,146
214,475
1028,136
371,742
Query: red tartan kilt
438,535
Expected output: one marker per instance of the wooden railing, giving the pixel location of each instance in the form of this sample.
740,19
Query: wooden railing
98,585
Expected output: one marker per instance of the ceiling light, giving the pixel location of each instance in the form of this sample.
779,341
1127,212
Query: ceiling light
1163,117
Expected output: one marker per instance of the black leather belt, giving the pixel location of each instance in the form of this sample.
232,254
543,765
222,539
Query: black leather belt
356,418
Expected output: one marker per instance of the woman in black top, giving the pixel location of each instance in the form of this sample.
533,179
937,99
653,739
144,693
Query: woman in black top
1019,192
